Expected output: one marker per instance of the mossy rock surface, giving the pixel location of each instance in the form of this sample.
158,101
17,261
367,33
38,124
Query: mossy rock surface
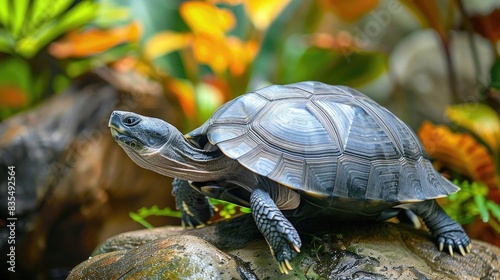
234,249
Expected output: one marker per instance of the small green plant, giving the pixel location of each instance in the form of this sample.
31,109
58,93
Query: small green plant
225,210
472,201
145,212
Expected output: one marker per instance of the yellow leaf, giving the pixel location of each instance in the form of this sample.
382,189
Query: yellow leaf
480,119
165,42
263,12
228,2
93,41
349,10
212,51
203,17
242,54
459,152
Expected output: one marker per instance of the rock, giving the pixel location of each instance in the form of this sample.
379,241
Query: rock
235,249
74,186
175,257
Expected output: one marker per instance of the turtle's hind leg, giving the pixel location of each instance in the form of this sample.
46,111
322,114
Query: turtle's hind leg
444,229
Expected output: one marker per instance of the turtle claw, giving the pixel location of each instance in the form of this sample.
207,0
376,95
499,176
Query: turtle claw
285,266
454,244
462,251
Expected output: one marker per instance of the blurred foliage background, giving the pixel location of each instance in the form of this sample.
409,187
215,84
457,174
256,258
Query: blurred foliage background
435,64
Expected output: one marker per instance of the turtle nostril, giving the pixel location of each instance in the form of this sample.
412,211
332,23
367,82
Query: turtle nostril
130,121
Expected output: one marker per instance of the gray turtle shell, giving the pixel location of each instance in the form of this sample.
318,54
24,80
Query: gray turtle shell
325,141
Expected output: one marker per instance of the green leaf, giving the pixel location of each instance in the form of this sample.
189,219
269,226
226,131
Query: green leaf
494,208
110,14
145,212
334,67
4,14
80,14
495,74
481,206
140,220
208,99
6,41
46,10
18,16
16,71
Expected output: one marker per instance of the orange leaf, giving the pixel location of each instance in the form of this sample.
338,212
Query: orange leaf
93,41
12,96
263,12
165,42
212,51
459,152
343,41
184,92
241,54
349,10
203,17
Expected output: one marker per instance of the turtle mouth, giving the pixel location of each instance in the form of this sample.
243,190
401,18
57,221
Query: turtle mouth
122,135
123,138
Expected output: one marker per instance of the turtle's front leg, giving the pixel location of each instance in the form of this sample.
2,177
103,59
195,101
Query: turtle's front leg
195,207
279,233
446,231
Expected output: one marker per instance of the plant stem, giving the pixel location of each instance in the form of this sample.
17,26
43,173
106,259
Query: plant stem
473,47
452,79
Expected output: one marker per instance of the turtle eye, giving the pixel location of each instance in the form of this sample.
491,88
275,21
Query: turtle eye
130,121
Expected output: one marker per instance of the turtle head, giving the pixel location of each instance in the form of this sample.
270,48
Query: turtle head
138,134
158,146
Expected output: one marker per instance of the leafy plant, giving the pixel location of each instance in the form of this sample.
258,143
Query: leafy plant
27,26
472,154
141,214
224,210
472,201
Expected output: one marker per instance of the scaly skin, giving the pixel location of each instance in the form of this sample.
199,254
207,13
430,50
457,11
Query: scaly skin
283,239
195,207
444,229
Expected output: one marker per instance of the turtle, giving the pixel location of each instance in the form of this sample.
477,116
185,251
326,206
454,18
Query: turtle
298,151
